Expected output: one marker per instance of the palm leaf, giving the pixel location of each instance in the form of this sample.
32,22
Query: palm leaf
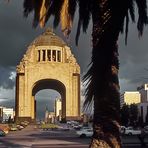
55,11
142,10
84,17
37,6
43,12
65,18
28,7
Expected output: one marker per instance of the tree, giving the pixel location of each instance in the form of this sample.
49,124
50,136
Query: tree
146,118
124,115
140,121
133,114
108,18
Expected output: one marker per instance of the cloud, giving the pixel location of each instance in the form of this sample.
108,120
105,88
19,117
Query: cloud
7,77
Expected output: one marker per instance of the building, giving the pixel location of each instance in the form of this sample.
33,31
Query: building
1,113
6,114
143,90
46,115
58,108
130,97
143,110
51,117
48,63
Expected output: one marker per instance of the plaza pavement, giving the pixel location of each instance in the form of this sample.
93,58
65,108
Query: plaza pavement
36,138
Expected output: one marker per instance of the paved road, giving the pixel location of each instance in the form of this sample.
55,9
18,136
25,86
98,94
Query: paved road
36,138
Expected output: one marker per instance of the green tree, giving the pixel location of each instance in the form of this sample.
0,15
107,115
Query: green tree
133,114
108,17
146,118
140,121
124,115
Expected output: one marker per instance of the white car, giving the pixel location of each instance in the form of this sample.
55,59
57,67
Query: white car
85,132
131,131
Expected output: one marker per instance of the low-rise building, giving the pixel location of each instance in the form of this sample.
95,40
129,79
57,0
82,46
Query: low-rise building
58,108
130,97
6,114
143,90
143,110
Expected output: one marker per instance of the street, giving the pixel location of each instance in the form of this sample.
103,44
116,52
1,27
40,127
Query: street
31,137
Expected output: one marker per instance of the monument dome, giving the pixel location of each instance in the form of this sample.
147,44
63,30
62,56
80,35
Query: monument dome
48,38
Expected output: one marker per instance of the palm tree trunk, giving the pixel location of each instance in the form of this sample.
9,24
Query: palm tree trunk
105,84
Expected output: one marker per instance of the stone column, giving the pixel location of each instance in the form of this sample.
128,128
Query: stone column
51,55
56,55
46,58
32,107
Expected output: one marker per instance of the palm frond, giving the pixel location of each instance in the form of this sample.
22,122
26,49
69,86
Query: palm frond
142,11
126,28
55,10
37,6
132,10
78,32
65,18
88,81
72,8
84,17
43,12
28,7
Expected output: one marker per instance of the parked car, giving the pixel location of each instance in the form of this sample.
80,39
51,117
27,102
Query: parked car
86,127
24,123
19,127
122,129
131,131
146,129
2,133
13,129
85,132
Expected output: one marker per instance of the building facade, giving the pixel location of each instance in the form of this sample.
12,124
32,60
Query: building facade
6,114
143,110
143,90
130,97
58,108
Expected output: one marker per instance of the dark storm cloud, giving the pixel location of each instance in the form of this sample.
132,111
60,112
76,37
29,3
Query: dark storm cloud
10,103
133,59
5,78
16,33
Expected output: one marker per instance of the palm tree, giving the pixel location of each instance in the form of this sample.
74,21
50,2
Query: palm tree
108,17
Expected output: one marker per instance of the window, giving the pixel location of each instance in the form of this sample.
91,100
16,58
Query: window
44,55
54,55
59,56
49,55
39,58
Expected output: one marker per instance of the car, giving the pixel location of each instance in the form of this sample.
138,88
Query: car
122,129
20,127
86,127
131,131
2,133
85,133
24,123
13,128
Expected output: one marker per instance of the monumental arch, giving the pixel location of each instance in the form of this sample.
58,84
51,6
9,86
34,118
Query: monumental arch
47,64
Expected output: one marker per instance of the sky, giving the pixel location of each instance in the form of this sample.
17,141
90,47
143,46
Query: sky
16,33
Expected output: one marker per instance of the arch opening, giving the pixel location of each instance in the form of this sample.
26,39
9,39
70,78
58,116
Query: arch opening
45,105
49,84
